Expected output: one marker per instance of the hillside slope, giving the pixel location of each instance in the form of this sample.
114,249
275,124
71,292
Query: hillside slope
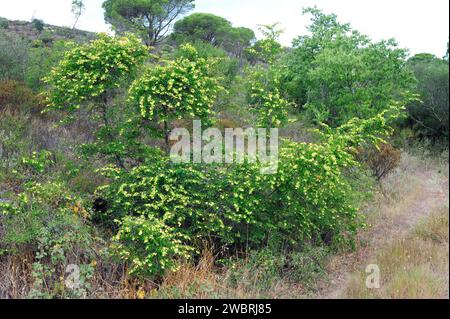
45,32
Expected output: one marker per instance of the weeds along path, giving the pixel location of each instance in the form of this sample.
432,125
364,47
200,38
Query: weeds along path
417,189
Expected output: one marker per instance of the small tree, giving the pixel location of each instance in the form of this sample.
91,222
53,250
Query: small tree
216,31
265,93
269,48
430,116
177,89
202,26
337,73
266,98
38,25
89,77
150,19
77,10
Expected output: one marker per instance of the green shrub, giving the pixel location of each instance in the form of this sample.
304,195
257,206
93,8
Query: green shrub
42,59
336,73
42,210
49,222
31,168
307,199
308,265
38,25
185,197
149,246
178,89
222,66
47,37
13,56
4,23
266,98
310,197
429,116
97,70
37,162
13,142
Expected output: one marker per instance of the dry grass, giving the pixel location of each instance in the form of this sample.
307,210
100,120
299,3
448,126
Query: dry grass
417,188
207,281
15,275
413,267
405,216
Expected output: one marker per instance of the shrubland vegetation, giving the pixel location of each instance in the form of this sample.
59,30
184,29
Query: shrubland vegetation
86,179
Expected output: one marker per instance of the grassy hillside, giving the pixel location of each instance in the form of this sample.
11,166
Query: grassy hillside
38,30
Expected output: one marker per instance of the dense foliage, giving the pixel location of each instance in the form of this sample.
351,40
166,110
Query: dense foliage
182,87
89,72
151,20
89,77
91,180
430,115
308,199
336,73
214,30
13,57
50,222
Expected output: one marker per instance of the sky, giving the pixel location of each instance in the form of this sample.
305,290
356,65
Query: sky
418,25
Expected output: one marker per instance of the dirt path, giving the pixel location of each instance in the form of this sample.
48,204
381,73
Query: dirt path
419,192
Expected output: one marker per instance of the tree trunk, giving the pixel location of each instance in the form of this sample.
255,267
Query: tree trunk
118,159
166,136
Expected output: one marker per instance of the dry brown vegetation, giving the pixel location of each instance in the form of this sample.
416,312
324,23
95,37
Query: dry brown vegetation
407,237
412,267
